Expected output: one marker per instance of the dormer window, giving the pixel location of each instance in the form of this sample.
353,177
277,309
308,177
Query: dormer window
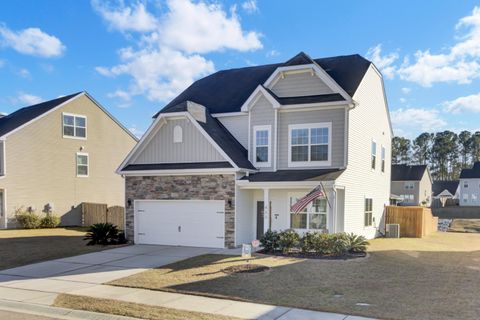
262,143
177,134
74,126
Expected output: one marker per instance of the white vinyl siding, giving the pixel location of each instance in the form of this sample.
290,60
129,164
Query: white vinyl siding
368,120
469,190
74,126
162,148
300,84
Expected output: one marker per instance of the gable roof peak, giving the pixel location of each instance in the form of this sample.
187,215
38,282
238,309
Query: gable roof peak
299,59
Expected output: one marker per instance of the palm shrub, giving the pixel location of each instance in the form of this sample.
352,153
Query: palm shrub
356,243
27,219
309,241
269,241
288,240
103,234
50,221
338,244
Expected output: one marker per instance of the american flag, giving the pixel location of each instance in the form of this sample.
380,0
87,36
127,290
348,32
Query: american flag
312,195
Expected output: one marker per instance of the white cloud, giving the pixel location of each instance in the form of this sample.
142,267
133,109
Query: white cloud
28,99
169,57
410,119
124,18
31,41
384,63
459,63
24,73
137,132
250,6
403,100
120,94
272,53
406,90
469,103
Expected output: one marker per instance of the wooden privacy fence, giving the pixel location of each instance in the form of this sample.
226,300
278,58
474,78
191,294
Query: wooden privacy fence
415,222
100,213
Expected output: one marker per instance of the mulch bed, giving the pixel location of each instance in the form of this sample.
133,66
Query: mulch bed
246,268
303,255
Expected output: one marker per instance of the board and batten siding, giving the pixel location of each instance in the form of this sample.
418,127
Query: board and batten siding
238,126
193,148
262,114
41,164
335,116
300,84
367,121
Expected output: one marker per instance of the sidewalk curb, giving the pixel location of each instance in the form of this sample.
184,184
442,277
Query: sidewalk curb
59,313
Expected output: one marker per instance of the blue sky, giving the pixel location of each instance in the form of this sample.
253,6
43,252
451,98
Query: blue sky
134,56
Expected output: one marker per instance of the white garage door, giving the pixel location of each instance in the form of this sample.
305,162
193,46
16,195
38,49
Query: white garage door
196,223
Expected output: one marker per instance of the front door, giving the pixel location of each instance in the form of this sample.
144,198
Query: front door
260,210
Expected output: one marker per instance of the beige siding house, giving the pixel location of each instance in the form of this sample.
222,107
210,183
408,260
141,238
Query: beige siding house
412,184
267,136
58,154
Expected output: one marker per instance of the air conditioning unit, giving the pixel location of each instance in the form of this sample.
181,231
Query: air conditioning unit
392,230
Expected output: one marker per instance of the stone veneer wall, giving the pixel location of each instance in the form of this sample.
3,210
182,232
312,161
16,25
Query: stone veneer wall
194,187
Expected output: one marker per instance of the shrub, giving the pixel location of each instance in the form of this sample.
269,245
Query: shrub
27,219
104,234
269,241
338,244
50,221
356,244
309,240
287,240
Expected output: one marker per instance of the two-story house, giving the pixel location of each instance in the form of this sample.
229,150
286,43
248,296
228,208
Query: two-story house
226,159
413,183
59,153
469,186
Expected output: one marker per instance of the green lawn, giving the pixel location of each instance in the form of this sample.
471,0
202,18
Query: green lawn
20,247
433,278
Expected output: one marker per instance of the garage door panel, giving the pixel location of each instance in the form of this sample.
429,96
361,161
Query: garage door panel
180,222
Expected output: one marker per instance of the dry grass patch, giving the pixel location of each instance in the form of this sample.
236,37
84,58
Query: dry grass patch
130,309
433,278
21,247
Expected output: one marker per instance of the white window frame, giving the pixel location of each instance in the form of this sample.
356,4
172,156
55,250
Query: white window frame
310,126
365,213
409,185
302,230
268,163
76,164
373,163
74,126
382,158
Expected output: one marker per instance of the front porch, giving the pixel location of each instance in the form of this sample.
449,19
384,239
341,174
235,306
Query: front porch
261,206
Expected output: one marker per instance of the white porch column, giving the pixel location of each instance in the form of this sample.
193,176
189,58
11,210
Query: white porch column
267,223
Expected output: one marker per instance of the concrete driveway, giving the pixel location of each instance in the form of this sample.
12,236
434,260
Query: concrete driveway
41,282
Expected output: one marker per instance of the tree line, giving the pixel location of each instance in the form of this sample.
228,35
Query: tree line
446,153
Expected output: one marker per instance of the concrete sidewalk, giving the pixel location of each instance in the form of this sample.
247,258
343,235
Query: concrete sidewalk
39,284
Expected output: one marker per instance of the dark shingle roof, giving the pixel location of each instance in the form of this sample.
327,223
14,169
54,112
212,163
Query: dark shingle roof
330,97
170,166
21,116
439,186
295,175
403,172
227,90
474,172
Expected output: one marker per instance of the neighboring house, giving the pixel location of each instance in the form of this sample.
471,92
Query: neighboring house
225,160
413,184
469,186
447,188
59,153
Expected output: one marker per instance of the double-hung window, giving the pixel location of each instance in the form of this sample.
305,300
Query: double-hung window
74,126
313,217
374,154
368,212
82,164
309,144
262,145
